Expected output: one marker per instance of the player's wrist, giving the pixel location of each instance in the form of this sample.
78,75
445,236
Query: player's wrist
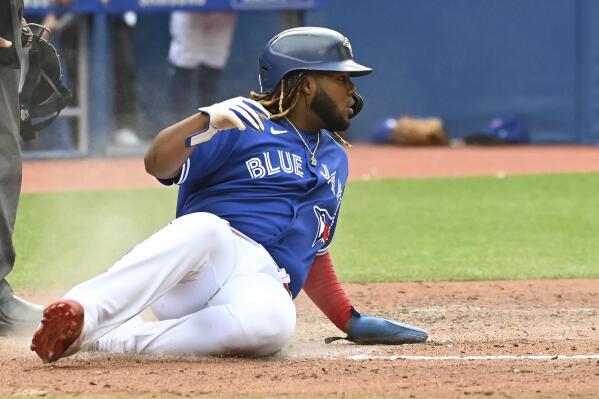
205,133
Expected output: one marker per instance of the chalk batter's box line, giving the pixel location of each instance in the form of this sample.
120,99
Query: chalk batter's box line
478,358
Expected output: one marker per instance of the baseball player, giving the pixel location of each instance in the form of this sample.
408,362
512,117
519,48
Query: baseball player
260,187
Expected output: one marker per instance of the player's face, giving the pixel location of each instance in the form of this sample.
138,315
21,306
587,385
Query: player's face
333,100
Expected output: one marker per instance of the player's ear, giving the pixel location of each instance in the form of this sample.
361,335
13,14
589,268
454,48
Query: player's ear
307,85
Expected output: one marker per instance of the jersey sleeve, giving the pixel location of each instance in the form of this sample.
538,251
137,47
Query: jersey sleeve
171,181
208,157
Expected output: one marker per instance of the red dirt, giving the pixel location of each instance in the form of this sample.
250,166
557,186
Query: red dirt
501,318
366,162
556,320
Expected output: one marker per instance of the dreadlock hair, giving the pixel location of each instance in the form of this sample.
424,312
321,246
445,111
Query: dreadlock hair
284,98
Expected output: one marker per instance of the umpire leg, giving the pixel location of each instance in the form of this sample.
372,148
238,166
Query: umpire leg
16,315
10,171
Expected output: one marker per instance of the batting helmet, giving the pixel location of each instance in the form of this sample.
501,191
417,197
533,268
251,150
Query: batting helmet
306,49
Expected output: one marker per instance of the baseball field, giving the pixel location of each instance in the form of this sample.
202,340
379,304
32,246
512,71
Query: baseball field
494,251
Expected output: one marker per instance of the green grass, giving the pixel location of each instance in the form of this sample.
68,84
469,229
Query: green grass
481,228
64,238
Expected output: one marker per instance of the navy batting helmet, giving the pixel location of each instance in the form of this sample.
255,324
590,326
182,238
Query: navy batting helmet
306,49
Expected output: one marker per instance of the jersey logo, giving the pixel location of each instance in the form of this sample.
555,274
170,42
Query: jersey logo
347,44
263,166
325,222
329,177
276,131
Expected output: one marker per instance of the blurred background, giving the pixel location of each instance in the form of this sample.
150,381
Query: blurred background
528,68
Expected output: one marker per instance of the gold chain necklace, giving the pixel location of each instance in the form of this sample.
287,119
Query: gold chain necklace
313,160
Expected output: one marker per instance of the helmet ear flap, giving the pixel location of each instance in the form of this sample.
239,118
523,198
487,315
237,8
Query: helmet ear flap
358,104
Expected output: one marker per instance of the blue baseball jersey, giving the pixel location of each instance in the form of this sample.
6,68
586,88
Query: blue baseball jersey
265,186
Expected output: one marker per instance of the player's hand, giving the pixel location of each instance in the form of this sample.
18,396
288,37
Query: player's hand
5,43
364,329
238,112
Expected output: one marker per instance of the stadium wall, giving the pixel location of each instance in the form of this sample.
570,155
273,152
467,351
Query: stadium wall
465,61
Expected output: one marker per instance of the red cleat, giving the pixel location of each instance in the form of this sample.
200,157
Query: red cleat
61,325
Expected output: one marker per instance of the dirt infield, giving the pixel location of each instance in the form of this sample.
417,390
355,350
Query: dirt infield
487,339
501,339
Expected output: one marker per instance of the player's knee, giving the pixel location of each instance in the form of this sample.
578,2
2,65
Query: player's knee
276,337
271,329
206,229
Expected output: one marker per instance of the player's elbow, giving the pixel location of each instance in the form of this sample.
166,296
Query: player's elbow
154,160
166,155
153,165
150,162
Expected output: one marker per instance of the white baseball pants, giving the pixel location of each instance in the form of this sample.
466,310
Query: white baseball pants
201,38
214,292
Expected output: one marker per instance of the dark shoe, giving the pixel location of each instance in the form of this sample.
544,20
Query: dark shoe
18,317
61,326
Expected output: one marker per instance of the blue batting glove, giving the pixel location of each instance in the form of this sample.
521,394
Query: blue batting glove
364,329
